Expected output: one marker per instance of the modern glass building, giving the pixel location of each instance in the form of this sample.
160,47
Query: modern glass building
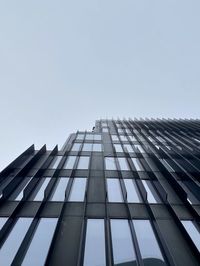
127,193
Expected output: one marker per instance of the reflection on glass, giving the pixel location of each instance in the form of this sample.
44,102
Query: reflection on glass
139,147
110,163
114,137
14,240
40,194
3,221
40,244
87,147
69,164
132,191
59,190
123,164
138,167
132,138
54,164
95,243
78,189
83,162
149,248
123,138
123,251
89,137
118,147
20,195
192,232
128,147
114,190
80,136
152,196
76,146
97,137
97,147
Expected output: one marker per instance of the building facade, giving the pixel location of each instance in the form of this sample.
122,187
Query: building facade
127,193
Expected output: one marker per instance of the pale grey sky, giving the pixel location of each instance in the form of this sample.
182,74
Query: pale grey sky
64,64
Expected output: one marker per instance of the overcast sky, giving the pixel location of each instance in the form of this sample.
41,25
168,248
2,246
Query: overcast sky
64,64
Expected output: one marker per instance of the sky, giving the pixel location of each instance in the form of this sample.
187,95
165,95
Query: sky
65,64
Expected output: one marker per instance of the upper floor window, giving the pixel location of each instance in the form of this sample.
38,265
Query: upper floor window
80,136
123,164
69,164
59,189
133,194
152,196
192,232
118,147
76,146
83,162
78,189
114,137
97,137
110,163
137,164
114,190
54,164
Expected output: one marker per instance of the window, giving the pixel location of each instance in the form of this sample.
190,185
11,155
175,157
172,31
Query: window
152,196
133,194
192,232
123,138
40,194
80,136
123,164
137,164
76,146
139,147
132,138
3,220
83,162
123,251
59,190
114,137
128,147
147,242
105,129
78,189
41,242
104,124
69,164
114,190
97,147
89,136
97,137
13,241
24,185
110,163
118,147
95,243
54,164
87,147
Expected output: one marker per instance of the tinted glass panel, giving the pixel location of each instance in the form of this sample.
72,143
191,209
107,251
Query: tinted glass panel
54,164
21,193
78,189
123,251
76,146
132,191
132,138
83,162
89,137
97,137
80,136
123,164
40,194
114,190
136,164
69,164
152,196
59,191
13,242
128,147
123,138
3,221
110,163
95,243
39,247
193,232
87,147
97,147
148,244
115,138
118,148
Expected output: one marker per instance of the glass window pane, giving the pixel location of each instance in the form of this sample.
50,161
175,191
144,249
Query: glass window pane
59,190
105,129
40,194
193,232
114,137
87,147
3,220
114,190
152,196
83,162
14,240
123,164
137,165
76,146
97,137
78,189
89,137
40,244
69,164
21,193
54,164
132,138
139,147
118,147
128,147
95,243
80,136
97,147
123,250
149,248
110,163
123,138
133,194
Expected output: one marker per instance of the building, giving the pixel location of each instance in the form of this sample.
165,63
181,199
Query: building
125,194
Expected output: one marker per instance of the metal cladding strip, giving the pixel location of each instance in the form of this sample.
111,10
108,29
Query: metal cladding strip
7,191
6,171
9,223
